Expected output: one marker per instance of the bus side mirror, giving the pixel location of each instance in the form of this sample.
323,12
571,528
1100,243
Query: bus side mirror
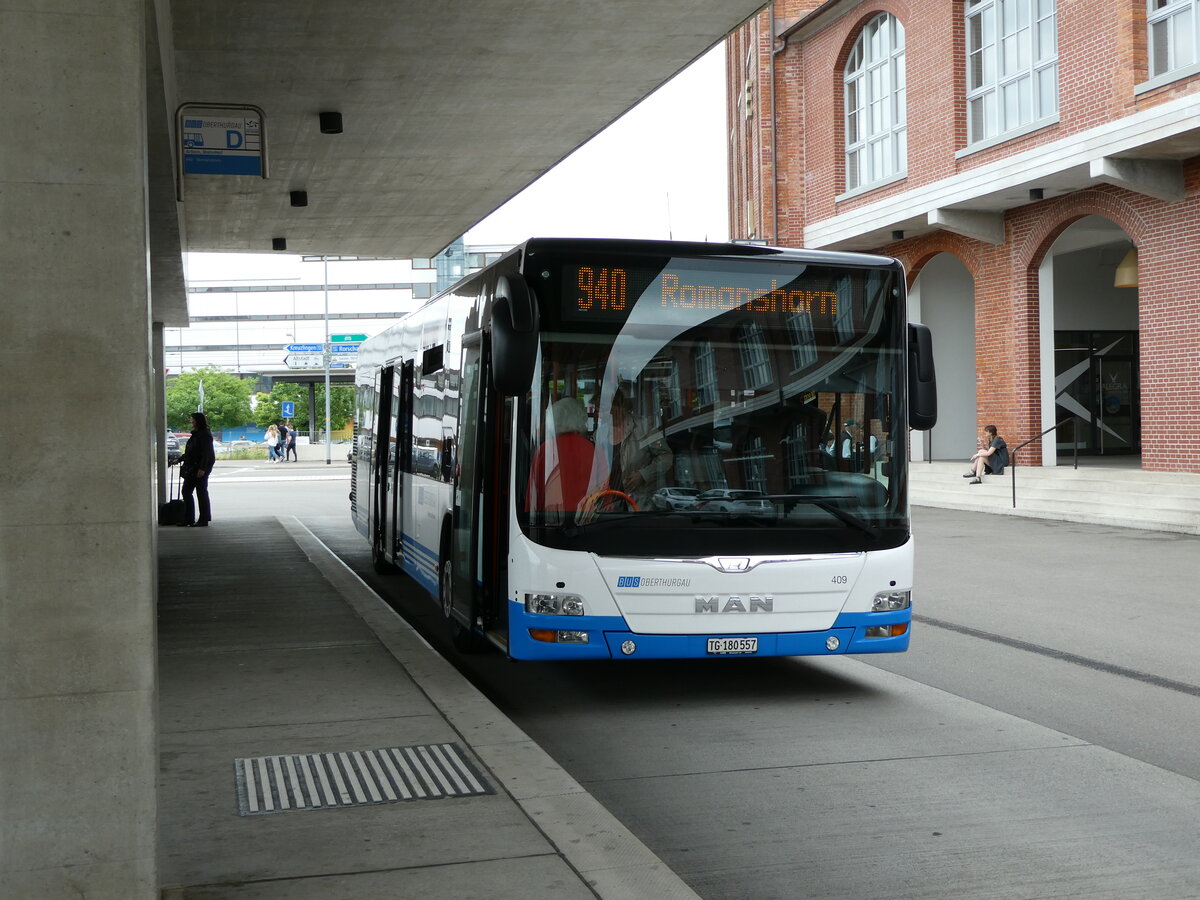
514,336
922,384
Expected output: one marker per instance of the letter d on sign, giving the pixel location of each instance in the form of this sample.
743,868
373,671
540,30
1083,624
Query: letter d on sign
233,139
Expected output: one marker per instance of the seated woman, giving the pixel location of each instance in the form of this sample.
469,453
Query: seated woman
561,473
990,458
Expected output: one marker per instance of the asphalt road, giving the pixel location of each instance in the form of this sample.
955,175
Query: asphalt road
1038,740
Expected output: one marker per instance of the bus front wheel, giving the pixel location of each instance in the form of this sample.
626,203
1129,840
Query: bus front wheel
464,639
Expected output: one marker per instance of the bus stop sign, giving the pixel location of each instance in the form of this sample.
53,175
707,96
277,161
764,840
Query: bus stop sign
221,140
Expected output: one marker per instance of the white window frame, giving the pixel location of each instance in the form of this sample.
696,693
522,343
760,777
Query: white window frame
756,362
804,343
675,404
1172,35
704,361
754,457
876,99
797,447
1012,66
843,321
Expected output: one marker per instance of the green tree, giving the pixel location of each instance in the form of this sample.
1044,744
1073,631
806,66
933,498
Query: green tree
341,405
267,406
226,398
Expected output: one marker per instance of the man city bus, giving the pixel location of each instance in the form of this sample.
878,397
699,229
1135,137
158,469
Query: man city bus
626,449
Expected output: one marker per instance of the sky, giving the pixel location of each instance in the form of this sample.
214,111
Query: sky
657,172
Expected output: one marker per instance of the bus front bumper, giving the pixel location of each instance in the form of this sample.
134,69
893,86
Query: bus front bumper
535,637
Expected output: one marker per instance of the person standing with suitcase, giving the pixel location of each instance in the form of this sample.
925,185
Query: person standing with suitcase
195,467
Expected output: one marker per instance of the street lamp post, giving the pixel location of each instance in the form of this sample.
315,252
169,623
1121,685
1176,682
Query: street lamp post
327,354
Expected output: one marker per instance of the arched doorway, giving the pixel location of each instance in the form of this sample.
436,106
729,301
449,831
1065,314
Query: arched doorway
943,297
1089,341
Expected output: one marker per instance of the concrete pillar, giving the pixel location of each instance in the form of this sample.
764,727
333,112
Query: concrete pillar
159,390
78,731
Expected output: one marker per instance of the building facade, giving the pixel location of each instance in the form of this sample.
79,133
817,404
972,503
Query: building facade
246,309
1035,164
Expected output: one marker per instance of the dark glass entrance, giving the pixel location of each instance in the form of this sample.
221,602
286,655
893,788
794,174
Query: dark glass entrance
1096,387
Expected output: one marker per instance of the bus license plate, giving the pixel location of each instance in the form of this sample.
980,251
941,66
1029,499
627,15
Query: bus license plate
733,645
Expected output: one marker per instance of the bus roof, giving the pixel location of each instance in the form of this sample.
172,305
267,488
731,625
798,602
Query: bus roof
700,248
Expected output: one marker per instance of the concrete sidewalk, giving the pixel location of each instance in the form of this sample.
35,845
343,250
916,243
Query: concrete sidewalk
297,711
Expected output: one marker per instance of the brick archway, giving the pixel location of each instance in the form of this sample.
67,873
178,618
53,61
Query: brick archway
1056,216
944,285
1041,303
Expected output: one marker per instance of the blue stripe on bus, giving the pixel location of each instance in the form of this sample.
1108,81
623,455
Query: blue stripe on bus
422,564
606,634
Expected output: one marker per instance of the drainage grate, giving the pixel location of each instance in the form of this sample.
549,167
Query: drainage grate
269,784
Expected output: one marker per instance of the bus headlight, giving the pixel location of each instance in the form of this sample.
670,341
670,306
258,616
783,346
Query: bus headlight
550,636
887,601
554,604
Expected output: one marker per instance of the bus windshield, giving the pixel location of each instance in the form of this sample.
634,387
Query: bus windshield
688,406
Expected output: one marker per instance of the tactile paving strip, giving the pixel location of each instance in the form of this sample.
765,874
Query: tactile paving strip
270,784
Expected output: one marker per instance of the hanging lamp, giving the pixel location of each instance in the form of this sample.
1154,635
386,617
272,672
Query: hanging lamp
1127,270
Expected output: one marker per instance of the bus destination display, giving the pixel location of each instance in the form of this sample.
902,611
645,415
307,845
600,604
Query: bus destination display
606,293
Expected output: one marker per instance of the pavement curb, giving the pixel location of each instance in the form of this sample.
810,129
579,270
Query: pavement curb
612,861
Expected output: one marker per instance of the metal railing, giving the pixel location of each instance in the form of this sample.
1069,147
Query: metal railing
1012,453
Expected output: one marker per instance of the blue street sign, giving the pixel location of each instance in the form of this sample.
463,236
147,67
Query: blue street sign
306,348
288,409
222,140
344,348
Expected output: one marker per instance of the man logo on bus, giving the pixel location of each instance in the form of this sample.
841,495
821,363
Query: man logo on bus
734,604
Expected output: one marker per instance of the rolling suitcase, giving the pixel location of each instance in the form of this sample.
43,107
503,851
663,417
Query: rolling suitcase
173,512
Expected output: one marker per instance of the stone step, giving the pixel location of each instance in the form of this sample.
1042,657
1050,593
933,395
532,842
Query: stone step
1118,495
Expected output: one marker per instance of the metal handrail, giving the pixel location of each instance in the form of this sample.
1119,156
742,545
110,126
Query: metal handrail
1012,453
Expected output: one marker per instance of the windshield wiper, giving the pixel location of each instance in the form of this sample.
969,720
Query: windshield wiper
830,505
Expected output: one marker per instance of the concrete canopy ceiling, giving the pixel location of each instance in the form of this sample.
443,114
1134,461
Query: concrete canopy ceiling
449,107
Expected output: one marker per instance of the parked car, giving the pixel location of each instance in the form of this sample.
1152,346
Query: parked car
675,498
174,451
732,500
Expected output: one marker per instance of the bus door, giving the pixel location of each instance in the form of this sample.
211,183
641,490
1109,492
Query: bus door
399,462
393,427
478,533
380,465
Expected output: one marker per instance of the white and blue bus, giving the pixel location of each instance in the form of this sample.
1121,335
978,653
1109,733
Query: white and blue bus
625,449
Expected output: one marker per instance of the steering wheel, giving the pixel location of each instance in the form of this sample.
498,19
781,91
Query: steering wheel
585,512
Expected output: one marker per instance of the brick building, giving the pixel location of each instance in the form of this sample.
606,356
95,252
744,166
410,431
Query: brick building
1035,164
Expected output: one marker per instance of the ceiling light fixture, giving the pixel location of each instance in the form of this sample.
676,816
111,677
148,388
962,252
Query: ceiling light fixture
331,122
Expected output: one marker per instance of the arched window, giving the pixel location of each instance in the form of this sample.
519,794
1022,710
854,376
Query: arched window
1012,66
876,121
1174,27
